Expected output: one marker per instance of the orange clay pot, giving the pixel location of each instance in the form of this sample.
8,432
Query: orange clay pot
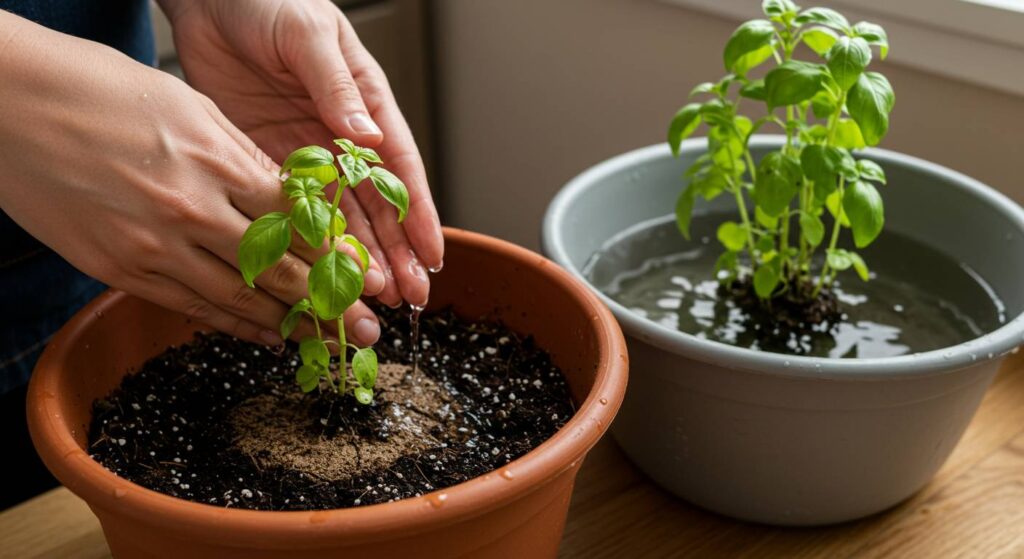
518,511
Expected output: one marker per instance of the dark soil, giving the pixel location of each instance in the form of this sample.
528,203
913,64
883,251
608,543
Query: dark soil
788,322
220,421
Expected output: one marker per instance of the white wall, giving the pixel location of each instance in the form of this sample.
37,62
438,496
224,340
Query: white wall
533,91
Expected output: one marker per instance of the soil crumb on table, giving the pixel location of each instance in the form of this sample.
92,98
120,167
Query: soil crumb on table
220,421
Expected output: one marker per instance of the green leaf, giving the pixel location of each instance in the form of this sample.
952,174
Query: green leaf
778,8
683,124
705,87
367,154
848,135
301,186
870,170
835,207
777,178
309,157
793,82
264,243
363,395
356,170
346,146
824,164
716,111
313,352
766,278
847,60
709,183
392,189
874,35
770,222
684,210
294,316
335,282
863,206
727,262
754,90
364,255
823,104
325,174
812,229
869,103
364,367
749,46
307,377
311,217
732,235
823,16
838,259
859,265
338,224
819,39
305,374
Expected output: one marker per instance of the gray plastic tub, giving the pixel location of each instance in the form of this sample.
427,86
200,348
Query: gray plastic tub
797,440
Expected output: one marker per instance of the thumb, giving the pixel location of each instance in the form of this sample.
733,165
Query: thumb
319,65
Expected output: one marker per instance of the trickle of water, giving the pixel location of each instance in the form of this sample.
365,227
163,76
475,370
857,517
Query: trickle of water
920,300
414,321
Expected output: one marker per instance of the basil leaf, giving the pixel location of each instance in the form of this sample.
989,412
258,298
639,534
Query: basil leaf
874,35
732,235
847,60
264,243
392,189
363,395
335,282
364,367
812,229
294,316
869,103
793,82
776,185
683,124
862,204
313,352
684,210
824,16
309,157
356,170
819,39
311,217
364,255
870,170
748,46
766,278
325,174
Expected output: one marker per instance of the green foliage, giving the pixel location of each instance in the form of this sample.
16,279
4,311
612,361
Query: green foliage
827,106
336,279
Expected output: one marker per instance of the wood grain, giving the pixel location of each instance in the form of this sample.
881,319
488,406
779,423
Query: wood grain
973,508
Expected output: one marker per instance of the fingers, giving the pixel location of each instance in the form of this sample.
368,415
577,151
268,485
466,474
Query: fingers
176,296
359,225
361,325
398,149
316,60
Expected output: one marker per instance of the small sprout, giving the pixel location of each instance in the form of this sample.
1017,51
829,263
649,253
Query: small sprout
335,281
815,171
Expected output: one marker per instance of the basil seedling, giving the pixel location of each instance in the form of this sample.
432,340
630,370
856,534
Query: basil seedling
336,278
826,108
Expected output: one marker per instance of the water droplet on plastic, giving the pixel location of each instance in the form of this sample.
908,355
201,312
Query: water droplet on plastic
437,500
604,401
974,357
507,474
99,314
948,355
785,363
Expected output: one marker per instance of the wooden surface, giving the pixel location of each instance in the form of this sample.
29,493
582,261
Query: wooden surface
973,508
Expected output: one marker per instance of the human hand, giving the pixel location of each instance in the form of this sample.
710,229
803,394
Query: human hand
140,182
294,73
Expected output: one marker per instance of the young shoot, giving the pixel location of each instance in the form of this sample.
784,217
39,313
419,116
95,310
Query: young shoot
826,108
336,278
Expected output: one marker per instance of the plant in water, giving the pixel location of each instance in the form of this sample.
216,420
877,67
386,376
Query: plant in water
826,108
336,278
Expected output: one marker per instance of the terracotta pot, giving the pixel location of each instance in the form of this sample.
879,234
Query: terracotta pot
518,511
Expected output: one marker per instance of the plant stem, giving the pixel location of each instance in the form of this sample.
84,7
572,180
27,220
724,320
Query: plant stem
836,227
343,357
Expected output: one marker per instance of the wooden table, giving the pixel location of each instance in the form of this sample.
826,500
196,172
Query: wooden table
973,508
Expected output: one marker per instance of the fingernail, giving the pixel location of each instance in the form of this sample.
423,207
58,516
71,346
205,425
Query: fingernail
417,271
271,337
363,124
373,282
367,330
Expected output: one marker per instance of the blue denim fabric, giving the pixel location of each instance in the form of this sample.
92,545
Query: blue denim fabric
39,291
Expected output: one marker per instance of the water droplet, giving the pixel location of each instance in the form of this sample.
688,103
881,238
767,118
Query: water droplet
437,500
948,355
785,363
974,357
604,401
436,269
99,314
507,474
990,355
119,493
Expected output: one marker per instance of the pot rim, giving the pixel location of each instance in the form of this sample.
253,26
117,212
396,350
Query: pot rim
992,345
102,489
